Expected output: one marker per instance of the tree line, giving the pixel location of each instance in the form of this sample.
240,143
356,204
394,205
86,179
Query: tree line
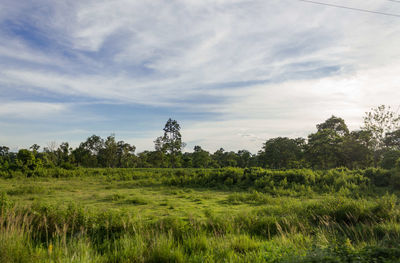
376,143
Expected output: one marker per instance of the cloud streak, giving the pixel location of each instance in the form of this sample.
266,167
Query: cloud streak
272,68
29,110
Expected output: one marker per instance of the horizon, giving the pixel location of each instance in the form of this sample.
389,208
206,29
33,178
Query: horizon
54,144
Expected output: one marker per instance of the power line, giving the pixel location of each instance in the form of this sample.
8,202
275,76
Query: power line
352,8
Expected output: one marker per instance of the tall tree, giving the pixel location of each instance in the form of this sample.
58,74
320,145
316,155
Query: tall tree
87,152
281,152
171,142
324,148
356,149
125,153
380,121
107,154
335,124
94,144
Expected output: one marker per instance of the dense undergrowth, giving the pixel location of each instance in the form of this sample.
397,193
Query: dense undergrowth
276,182
331,216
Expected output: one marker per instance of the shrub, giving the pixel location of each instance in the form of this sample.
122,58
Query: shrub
5,203
379,177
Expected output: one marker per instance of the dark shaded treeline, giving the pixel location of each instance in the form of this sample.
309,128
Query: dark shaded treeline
377,143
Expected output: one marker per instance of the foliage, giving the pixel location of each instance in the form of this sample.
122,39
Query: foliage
389,159
382,123
171,142
27,162
331,146
278,153
324,149
197,225
200,158
379,122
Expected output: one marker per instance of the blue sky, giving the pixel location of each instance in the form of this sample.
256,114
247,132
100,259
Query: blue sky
233,73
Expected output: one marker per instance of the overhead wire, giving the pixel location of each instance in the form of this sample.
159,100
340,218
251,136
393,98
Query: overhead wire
359,10
352,8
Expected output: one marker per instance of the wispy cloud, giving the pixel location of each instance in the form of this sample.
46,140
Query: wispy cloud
270,67
30,110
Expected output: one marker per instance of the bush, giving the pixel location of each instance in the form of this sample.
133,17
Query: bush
5,203
379,177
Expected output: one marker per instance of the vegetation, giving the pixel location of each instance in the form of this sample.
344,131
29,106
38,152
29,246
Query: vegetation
376,144
332,197
200,215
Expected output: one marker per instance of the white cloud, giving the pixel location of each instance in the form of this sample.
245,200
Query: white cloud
271,67
30,110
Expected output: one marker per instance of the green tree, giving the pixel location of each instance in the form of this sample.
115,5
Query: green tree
200,157
4,158
142,160
93,144
83,157
222,158
87,153
392,140
126,154
389,159
324,148
356,149
281,152
171,142
49,154
218,157
187,160
63,156
230,159
335,124
108,153
243,158
157,159
34,148
27,162
380,121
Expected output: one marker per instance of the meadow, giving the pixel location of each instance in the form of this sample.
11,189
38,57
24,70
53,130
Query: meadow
200,215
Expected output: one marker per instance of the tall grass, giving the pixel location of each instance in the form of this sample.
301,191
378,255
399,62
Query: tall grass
314,229
292,182
280,216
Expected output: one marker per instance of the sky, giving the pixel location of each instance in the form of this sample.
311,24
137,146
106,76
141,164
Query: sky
232,73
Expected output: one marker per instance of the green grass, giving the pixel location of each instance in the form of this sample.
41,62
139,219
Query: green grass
98,193
119,215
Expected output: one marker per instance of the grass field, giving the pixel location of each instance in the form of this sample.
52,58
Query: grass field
141,201
99,215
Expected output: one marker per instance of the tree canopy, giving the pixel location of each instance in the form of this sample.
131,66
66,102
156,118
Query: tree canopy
331,145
